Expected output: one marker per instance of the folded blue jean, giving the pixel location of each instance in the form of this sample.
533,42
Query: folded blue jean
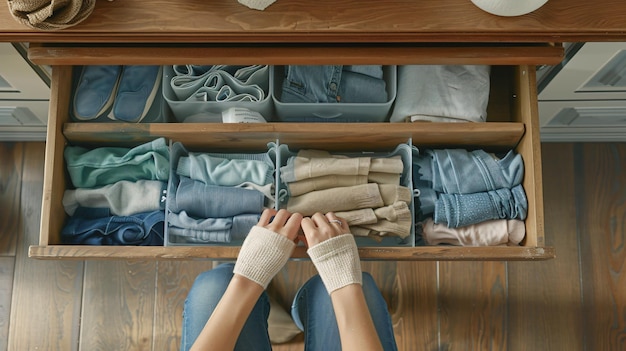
333,84
89,168
210,230
458,210
208,201
458,171
96,227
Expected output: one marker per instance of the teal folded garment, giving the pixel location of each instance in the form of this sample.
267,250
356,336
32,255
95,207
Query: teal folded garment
212,170
90,168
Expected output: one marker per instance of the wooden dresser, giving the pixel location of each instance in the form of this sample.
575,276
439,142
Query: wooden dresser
315,32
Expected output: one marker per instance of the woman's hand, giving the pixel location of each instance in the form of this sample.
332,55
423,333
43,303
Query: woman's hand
282,222
321,227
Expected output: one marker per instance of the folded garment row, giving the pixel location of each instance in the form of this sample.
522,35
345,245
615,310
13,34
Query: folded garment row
295,93
469,198
160,194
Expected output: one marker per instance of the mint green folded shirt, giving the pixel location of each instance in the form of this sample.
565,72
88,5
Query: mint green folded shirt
90,168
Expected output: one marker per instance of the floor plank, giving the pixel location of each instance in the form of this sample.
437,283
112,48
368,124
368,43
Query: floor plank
118,306
174,279
472,300
6,288
414,307
45,307
601,170
544,297
11,157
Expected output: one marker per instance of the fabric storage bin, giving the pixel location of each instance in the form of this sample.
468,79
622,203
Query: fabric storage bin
211,111
156,114
183,217
404,151
333,112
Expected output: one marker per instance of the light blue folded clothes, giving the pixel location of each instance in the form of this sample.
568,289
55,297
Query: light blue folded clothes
457,210
89,168
208,201
459,171
210,230
212,170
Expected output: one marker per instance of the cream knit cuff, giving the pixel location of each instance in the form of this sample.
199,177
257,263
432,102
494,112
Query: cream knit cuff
337,261
262,255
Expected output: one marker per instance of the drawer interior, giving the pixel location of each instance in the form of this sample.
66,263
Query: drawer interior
512,123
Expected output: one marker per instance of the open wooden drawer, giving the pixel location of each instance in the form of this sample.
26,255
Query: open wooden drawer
512,123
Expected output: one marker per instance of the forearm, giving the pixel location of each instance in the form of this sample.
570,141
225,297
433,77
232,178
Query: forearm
356,328
224,326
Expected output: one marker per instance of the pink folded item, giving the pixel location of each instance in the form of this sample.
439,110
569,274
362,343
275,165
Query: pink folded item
489,233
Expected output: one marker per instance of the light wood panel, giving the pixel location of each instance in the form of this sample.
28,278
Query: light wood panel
601,213
118,306
45,307
545,300
173,281
328,21
11,156
472,304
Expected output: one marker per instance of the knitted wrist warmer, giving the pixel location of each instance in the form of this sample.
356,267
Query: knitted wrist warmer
262,255
337,261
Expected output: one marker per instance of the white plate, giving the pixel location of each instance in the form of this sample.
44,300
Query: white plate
509,7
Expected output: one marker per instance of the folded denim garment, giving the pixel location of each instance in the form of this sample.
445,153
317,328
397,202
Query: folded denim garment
89,168
95,91
135,95
458,210
442,93
123,198
209,201
87,227
458,171
333,84
210,230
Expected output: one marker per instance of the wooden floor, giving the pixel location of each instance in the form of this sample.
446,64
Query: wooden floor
574,302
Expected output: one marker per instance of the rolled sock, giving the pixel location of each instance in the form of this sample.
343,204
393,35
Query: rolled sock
394,211
357,217
262,255
324,182
337,199
337,261
299,168
400,226
394,193
487,233
383,178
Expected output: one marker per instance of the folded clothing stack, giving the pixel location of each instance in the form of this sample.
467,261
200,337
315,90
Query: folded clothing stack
119,195
460,188
217,198
365,191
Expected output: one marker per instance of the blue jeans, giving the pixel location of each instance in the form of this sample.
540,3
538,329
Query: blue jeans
312,312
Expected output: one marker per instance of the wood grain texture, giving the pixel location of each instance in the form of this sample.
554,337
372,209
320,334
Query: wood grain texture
11,157
601,213
413,306
173,281
472,303
118,306
330,21
545,310
45,307
7,265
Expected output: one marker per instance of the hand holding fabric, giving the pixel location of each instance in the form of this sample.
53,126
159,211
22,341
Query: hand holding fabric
268,246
